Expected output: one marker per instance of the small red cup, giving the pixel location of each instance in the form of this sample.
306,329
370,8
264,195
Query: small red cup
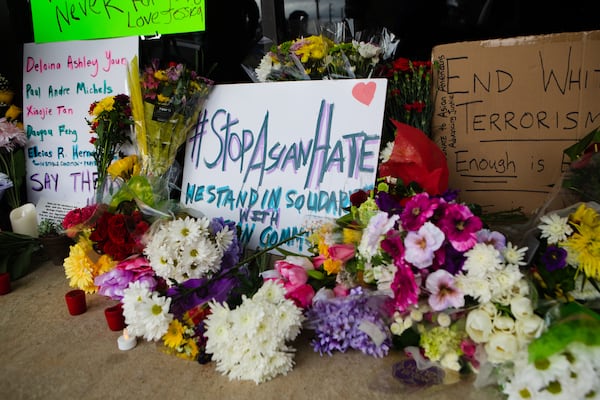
4,283
76,302
114,317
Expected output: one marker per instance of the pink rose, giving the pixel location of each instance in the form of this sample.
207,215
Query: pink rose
292,275
302,295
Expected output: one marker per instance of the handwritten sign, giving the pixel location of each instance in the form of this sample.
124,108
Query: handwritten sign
62,20
506,109
271,156
60,81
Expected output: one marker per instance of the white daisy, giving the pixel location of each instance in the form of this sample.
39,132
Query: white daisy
555,228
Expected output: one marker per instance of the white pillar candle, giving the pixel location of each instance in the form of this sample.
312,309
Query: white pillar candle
24,220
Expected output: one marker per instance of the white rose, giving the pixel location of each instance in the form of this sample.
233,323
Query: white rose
501,347
490,309
529,328
450,361
444,320
502,323
521,307
479,326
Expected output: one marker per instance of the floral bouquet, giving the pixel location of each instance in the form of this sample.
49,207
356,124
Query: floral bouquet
166,104
186,263
319,57
103,239
409,93
12,159
566,263
111,126
563,363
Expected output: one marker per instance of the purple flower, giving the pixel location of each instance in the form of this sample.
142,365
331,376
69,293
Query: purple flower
494,238
443,291
352,322
194,292
554,258
420,246
460,226
394,246
418,210
405,288
388,203
449,259
231,256
112,283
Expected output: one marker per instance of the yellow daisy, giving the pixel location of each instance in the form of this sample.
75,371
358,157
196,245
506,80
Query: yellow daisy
174,336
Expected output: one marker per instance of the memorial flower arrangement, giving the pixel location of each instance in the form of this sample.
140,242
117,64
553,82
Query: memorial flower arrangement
110,126
103,238
409,93
319,57
166,103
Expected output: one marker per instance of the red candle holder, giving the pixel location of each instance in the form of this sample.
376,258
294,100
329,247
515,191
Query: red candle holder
4,283
76,302
115,318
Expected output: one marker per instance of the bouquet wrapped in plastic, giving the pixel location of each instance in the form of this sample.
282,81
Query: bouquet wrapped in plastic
166,104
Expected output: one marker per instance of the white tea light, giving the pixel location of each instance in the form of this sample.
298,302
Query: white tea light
126,342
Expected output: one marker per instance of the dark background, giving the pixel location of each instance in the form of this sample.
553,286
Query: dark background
233,28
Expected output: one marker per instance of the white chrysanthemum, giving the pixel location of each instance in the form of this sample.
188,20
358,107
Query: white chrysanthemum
265,67
481,259
199,260
386,152
255,334
514,255
224,239
474,286
554,228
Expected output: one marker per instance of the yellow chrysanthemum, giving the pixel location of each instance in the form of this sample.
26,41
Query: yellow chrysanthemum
125,168
585,245
104,264
106,104
585,215
79,269
174,336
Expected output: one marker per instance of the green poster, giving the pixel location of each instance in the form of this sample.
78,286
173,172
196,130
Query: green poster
62,20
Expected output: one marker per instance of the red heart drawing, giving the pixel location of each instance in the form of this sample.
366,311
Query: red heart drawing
364,92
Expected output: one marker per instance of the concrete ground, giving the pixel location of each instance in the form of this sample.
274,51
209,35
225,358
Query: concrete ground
45,353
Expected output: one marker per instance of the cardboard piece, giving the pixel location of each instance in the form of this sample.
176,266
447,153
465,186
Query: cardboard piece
506,109
272,156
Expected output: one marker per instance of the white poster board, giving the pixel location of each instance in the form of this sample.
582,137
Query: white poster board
271,155
60,81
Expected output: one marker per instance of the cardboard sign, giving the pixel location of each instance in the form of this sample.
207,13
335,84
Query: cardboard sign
60,81
506,109
271,156
56,21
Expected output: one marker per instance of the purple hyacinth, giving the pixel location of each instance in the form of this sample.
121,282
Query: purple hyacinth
341,324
